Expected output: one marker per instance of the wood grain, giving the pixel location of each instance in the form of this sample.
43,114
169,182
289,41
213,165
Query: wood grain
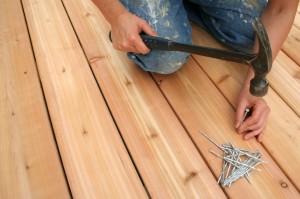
200,106
285,80
29,160
157,115
166,158
282,133
96,162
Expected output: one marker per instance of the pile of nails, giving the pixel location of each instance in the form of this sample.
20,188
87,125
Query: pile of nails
237,162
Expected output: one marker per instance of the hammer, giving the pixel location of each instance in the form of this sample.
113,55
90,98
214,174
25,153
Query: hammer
260,62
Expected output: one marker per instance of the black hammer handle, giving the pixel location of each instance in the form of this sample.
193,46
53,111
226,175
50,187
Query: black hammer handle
153,43
158,43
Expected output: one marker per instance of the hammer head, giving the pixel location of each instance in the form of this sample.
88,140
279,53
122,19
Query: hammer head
262,63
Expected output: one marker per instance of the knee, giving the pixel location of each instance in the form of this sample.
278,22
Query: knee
234,27
162,62
170,62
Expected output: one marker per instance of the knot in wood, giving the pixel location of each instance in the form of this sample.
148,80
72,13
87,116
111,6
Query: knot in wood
191,176
159,82
283,184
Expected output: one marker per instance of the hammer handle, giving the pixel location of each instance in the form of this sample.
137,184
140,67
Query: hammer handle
158,43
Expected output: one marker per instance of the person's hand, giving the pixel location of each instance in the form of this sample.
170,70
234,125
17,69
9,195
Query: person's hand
255,124
125,33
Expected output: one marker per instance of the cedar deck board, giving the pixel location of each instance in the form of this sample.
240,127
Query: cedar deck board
285,80
158,143
96,162
29,161
215,118
283,128
137,110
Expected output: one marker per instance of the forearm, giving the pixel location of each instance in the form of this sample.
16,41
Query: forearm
278,19
110,9
125,27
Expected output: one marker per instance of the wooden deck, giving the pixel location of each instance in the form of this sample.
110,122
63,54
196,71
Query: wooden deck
78,120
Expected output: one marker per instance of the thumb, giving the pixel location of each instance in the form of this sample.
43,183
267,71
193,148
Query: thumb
147,29
239,115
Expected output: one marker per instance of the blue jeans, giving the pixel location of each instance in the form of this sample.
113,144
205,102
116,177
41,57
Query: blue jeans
229,21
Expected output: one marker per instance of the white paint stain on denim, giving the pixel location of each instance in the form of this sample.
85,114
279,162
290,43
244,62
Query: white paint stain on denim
176,35
178,64
158,10
230,14
152,14
248,4
164,11
166,23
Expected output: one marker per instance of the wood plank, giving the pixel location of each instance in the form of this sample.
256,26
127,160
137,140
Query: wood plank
29,161
285,80
292,45
165,156
96,162
282,133
200,106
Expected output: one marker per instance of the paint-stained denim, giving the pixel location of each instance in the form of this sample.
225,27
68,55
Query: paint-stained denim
230,21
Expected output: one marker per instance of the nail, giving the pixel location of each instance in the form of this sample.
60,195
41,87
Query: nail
251,156
205,135
244,117
237,162
232,161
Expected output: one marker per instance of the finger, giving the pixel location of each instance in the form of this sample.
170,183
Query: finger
257,133
147,28
255,122
132,49
125,47
254,133
239,115
139,45
256,118
260,137
136,41
250,126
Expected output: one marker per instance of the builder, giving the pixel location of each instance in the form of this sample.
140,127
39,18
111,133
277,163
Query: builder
230,21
